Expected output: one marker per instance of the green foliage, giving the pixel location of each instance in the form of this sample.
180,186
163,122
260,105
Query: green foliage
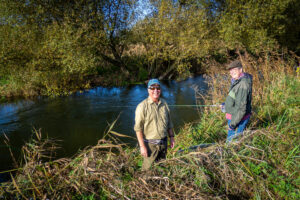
143,74
86,197
57,47
3,81
175,36
63,59
61,46
284,95
283,186
184,33
258,25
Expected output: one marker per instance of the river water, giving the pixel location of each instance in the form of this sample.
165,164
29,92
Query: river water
81,119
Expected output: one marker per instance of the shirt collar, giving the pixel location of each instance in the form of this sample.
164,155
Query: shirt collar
150,101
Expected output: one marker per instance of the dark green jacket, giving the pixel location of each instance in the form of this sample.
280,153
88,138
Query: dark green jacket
238,101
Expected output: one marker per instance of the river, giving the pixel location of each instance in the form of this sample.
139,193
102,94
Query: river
81,119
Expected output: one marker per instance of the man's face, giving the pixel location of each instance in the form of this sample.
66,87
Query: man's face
235,73
154,92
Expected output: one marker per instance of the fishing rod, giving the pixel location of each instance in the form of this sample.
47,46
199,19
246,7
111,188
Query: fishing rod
215,105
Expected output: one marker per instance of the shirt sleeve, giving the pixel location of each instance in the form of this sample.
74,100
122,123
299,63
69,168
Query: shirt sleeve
170,124
139,118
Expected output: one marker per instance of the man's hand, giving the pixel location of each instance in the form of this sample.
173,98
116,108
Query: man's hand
171,135
172,142
143,148
144,152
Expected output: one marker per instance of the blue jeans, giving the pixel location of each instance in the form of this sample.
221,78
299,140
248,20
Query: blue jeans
239,129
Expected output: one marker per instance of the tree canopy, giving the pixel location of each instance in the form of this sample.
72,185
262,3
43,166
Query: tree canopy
58,46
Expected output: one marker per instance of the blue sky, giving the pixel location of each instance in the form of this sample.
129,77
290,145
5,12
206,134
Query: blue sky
144,8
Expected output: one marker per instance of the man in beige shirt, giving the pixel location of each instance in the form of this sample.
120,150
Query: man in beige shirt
153,126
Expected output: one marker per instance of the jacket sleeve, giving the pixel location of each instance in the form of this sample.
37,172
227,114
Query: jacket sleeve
240,106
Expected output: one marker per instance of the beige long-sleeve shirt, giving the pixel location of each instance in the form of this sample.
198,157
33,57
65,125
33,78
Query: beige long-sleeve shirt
152,119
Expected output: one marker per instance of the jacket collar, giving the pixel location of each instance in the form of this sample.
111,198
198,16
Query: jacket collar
241,76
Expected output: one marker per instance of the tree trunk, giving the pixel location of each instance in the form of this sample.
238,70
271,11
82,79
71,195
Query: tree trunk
169,71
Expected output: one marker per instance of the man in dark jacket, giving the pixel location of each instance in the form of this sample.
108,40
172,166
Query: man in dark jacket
238,102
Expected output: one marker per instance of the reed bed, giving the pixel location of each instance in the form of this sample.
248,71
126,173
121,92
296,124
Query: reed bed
262,164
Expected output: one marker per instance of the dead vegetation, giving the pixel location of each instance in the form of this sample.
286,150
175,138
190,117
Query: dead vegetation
111,170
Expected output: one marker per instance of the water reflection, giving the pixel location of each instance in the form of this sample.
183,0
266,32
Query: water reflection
81,119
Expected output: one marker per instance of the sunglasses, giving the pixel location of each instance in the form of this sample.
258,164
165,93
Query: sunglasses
154,87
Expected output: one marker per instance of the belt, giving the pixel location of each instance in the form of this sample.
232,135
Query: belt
154,141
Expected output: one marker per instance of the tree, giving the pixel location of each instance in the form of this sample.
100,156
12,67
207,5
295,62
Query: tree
259,25
176,35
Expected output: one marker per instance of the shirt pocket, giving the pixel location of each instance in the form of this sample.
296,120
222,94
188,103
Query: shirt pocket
149,116
163,113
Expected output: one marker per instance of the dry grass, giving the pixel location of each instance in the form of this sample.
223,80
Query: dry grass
109,170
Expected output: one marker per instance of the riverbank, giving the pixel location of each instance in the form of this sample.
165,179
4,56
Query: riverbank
12,88
30,89
263,164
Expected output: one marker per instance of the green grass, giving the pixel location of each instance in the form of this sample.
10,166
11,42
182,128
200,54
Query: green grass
268,156
3,81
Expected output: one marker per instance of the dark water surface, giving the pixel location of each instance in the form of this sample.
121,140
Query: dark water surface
81,119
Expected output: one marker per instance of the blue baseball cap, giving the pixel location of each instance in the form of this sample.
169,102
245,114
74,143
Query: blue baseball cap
153,81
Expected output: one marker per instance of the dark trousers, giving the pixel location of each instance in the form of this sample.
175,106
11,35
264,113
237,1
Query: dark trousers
155,152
